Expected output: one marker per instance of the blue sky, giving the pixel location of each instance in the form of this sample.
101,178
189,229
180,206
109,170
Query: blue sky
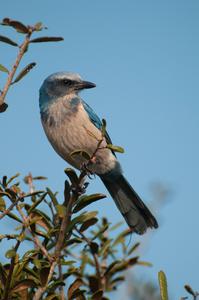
143,56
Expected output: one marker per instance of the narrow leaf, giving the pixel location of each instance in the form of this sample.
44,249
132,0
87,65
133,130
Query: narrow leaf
2,204
163,285
3,69
86,200
23,284
52,197
72,176
13,177
10,253
133,248
189,290
7,40
24,72
94,247
14,217
88,223
45,39
73,287
103,129
18,26
61,210
144,263
115,148
36,203
39,178
97,295
3,107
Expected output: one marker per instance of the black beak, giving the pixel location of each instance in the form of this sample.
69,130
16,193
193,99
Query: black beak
85,85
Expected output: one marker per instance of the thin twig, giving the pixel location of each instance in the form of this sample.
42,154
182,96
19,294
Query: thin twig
6,211
22,51
64,224
35,238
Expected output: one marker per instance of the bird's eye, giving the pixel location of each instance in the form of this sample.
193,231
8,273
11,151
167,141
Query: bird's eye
67,82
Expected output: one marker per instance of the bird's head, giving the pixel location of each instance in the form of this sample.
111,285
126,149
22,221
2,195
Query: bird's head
64,83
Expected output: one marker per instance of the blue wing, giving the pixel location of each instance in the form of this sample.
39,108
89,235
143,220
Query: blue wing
96,121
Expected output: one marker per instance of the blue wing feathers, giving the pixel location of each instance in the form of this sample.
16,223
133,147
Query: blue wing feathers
96,120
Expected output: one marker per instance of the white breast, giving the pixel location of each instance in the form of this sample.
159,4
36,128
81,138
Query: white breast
76,132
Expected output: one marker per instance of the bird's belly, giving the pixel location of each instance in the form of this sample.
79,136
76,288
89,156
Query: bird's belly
70,136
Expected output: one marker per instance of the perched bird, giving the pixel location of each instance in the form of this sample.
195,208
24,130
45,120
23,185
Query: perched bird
70,124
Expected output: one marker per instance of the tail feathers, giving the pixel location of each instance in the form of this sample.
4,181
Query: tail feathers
134,211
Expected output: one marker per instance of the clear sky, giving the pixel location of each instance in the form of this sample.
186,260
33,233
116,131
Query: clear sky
144,58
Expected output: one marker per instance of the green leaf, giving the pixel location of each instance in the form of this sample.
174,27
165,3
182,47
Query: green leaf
23,285
55,285
103,129
94,247
39,178
189,290
73,241
10,253
2,204
105,247
45,39
115,148
7,40
3,69
32,194
24,72
73,287
61,210
14,217
72,176
13,177
88,223
117,279
36,203
110,267
133,248
163,285
121,237
144,263
80,219
67,262
97,295
52,297
3,107
86,200
18,26
52,197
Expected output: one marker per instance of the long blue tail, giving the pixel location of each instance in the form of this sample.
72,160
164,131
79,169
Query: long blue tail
134,211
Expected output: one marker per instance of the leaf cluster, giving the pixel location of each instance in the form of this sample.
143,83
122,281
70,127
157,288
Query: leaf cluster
91,261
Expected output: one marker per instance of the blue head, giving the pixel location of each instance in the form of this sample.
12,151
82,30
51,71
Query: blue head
59,85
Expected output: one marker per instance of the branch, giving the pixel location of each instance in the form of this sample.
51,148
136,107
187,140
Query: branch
11,74
42,290
64,224
97,264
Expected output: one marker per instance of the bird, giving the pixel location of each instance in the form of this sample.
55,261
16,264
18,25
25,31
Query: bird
70,124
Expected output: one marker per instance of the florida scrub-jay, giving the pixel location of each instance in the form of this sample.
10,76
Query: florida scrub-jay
70,124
